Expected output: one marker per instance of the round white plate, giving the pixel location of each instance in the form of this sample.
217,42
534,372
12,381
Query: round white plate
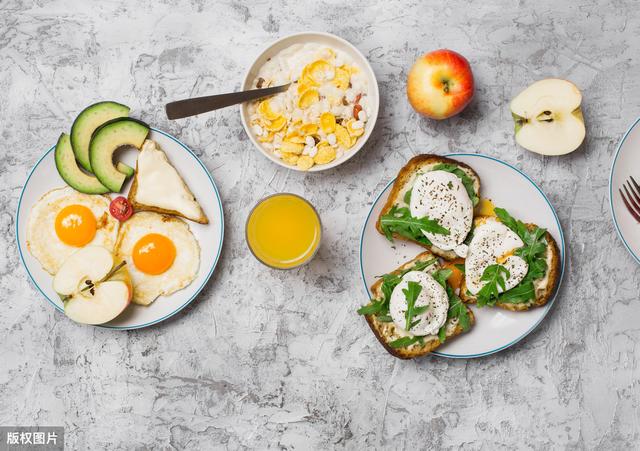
44,177
495,329
626,163
329,40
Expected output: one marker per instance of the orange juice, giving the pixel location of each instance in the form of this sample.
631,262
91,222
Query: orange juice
283,231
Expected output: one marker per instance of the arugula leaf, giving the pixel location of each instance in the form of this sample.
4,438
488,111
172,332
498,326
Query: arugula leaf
460,267
495,276
523,292
411,294
400,221
403,342
442,333
372,308
407,197
441,275
457,309
464,178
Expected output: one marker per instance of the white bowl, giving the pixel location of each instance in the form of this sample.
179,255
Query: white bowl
331,41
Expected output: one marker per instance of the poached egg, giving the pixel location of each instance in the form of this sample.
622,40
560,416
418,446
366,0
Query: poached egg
441,196
493,243
432,295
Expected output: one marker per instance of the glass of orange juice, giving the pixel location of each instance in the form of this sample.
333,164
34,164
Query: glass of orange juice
283,231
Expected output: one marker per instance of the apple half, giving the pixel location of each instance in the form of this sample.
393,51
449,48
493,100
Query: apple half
548,118
92,289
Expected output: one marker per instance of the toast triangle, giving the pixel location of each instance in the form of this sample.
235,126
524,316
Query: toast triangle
157,186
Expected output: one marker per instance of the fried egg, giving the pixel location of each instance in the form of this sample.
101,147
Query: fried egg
432,295
162,254
63,221
493,242
440,195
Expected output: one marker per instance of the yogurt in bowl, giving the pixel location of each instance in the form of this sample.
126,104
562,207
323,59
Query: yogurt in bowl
327,113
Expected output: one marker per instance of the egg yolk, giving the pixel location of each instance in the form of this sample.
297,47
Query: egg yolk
76,225
153,254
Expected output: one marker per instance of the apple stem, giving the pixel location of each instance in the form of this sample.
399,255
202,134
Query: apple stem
113,271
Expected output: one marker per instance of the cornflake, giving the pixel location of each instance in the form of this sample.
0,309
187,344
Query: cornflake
322,114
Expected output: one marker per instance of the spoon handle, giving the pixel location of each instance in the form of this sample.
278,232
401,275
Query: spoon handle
197,105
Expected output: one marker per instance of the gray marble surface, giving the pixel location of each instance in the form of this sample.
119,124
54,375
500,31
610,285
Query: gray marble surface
267,359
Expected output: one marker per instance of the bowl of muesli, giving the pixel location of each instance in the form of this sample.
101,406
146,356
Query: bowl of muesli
327,113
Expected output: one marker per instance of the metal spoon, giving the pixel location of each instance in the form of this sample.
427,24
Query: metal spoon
197,105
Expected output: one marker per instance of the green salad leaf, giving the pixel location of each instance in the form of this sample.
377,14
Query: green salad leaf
411,294
400,221
407,197
404,342
464,178
495,276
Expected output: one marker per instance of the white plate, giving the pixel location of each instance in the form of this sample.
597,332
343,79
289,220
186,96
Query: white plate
495,329
626,163
44,177
330,40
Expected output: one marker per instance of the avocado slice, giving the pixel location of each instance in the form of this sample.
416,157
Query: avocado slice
87,122
125,169
106,140
71,173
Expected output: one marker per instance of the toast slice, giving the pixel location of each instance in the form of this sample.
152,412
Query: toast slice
404,182
386,332
544,287
157,186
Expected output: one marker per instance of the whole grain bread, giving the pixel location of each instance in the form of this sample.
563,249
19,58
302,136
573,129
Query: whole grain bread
404,181
386,332
543,293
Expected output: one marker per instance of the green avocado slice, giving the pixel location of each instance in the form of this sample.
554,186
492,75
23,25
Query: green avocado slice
70,171
87,122
106,140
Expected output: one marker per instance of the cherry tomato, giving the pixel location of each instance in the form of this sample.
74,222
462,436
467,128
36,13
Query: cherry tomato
120,208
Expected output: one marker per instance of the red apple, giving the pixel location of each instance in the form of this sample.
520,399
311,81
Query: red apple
440,84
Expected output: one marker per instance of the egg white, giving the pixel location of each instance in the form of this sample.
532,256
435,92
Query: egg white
491,241
42,240
432,295
147,287
440,195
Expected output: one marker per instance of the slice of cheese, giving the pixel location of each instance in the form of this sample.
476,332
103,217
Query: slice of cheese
158,186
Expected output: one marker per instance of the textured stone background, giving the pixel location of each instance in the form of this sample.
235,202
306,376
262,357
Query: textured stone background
279,359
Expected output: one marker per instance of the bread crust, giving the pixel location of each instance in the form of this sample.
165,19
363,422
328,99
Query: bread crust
405,174
553,272
142,207
381,330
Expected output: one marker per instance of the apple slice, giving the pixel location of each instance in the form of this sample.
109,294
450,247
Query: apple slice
93,290
106,301
548,118
88,265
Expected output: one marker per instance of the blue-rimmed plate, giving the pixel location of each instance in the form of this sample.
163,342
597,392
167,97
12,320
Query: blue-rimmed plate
495,329
44,177
626,163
